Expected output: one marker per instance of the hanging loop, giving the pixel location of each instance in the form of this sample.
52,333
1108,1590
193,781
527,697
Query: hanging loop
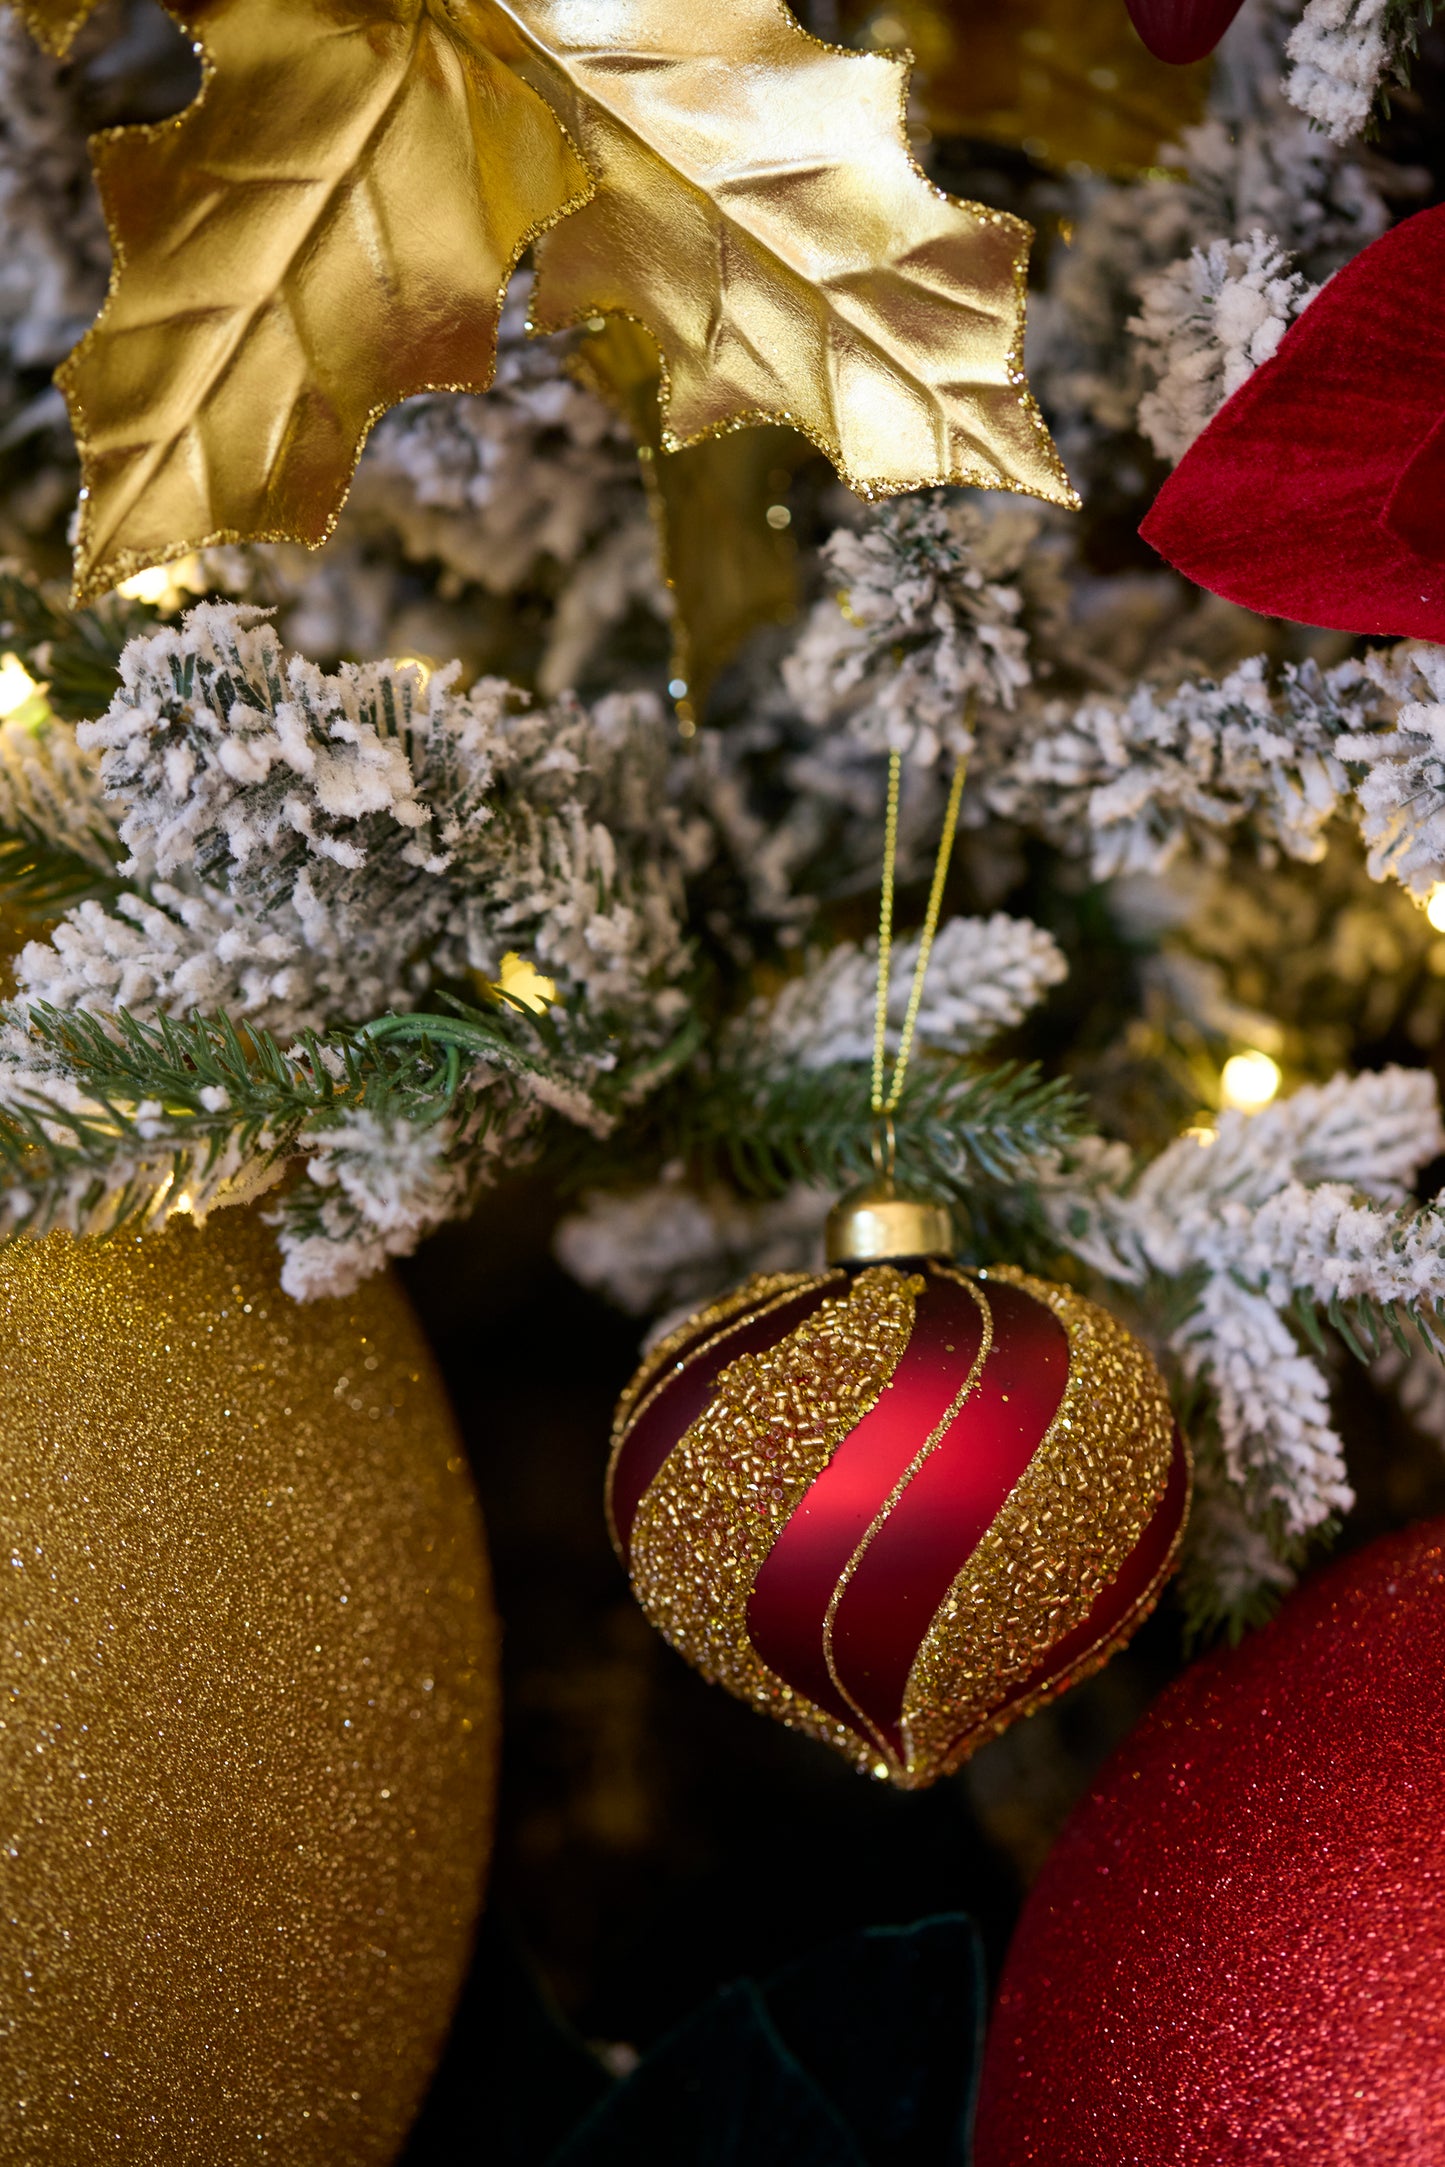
887,1092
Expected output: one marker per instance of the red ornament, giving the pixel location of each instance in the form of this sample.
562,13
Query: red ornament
1235,1955
1182,30
897,1507
1318,491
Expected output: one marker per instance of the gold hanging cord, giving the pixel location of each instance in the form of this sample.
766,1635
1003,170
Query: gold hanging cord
887,1092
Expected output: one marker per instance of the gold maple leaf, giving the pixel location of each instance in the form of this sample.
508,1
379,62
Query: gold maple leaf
331,225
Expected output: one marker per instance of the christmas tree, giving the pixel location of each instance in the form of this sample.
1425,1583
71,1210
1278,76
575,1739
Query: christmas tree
473,860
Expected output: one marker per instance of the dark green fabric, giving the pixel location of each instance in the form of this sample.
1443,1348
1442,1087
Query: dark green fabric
720,2091
515,2077
889,2024
862,2054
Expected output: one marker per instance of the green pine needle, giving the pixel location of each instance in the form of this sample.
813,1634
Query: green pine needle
74,652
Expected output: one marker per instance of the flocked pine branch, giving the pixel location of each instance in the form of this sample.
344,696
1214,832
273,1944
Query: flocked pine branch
307,850
1346,53
106,1121
58,844
1271,1226
946,656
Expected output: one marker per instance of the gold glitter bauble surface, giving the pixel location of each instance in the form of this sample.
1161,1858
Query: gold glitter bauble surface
248,1732
899,1507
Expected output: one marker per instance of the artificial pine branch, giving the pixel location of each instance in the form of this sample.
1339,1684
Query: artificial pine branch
39,877
182,1097
75,653
768,1129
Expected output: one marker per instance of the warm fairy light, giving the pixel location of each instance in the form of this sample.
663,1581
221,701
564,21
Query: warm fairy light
418,663
522,985
1202,1131
163,585
16,685
1249,1080
151,586
1435,907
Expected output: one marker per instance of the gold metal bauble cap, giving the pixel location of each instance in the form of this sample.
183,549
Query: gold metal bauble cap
874,1223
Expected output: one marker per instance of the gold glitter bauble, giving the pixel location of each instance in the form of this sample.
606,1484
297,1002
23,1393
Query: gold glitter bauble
900,1506
250,1707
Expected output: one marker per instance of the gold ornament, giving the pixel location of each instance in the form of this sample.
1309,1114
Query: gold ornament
1066,80
249,1730
725,551
898,1507
331,225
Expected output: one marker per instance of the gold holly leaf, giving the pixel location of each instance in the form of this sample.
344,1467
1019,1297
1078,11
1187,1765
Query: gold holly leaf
758,209
329,228
1069,81
53,23
722,533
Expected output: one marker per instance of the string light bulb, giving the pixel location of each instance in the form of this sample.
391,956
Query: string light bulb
1435,906
163,586
1249,1080
16,685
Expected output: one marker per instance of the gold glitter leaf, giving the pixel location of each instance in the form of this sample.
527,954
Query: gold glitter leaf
758,209
329,227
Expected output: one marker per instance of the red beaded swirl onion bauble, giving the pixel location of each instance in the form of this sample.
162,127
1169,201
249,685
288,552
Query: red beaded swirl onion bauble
897,1506
1235,1955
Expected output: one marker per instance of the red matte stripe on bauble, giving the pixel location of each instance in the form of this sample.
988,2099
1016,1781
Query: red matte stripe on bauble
688,1390
949,1506
1115,1603
799,1576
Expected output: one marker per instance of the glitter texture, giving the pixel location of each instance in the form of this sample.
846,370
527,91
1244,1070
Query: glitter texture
1007,1510
1076,1514
704,1327
249,1709
1235,1954
732,1482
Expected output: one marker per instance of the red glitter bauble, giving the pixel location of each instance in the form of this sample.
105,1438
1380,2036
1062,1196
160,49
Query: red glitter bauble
1235,1954
899,1506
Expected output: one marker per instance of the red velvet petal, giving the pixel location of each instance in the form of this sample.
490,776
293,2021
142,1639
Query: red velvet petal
1413,514
1182,30
1318,491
